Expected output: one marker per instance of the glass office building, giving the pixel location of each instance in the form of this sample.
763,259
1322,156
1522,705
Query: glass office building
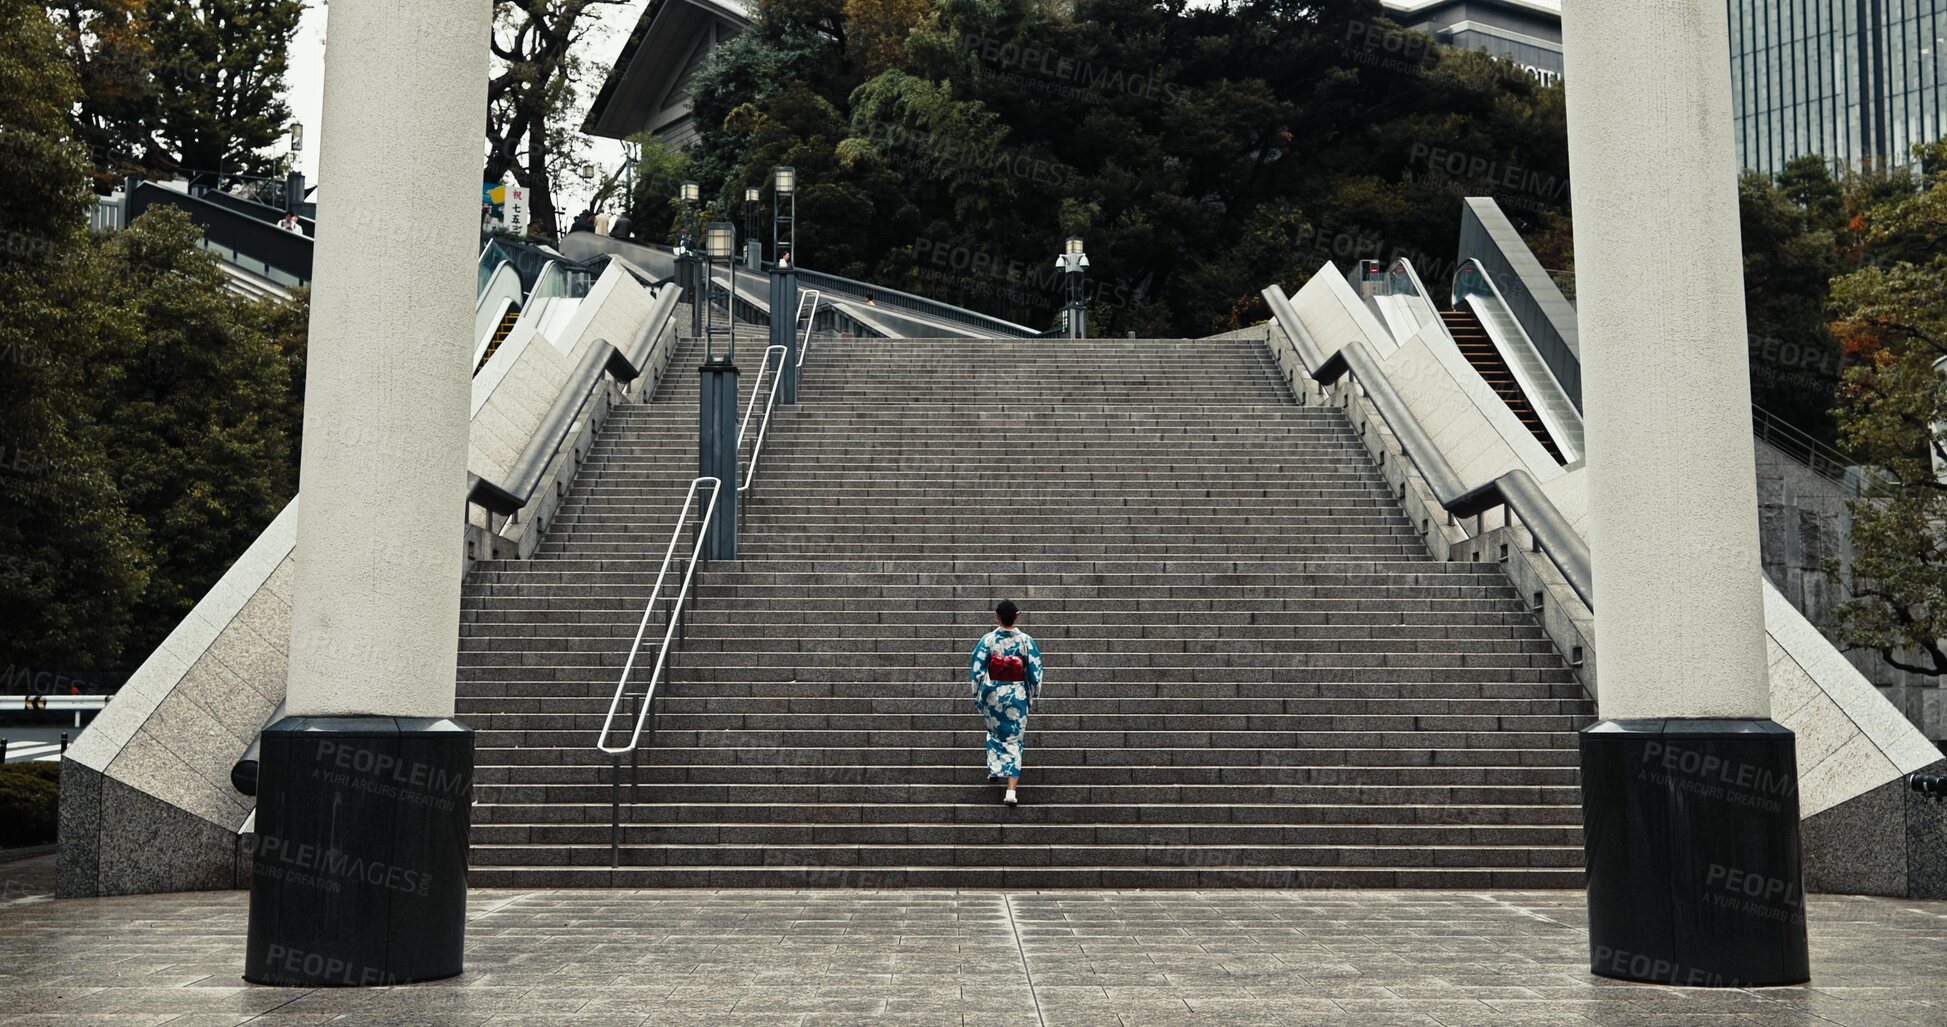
1853,80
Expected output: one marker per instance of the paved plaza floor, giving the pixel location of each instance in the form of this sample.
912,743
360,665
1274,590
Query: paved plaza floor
971,959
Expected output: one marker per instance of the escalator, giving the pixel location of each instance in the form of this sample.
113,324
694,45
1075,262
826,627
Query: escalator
1479,350
501,331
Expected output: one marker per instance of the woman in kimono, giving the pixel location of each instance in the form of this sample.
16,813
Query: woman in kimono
1006,673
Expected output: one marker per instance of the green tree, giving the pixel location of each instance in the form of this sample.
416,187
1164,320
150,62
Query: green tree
536,84
109,48
660,171
1892,316
72,559
1792,233
219,74
200,413
949,147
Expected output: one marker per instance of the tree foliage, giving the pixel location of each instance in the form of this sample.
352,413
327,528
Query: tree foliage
173,86
536,84
146,414
948,146
220,78
1891,315
72,558
1796,237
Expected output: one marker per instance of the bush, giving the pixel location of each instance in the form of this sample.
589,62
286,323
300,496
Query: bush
29,803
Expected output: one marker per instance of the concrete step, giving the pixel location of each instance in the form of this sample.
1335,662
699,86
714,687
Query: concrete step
1258,675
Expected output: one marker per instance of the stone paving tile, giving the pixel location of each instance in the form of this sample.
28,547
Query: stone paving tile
967,959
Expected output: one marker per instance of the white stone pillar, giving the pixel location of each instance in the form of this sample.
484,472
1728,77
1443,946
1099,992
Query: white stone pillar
1689,790
1673,533
379,543
367,762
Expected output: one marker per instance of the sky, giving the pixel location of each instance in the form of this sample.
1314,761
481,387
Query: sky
305,93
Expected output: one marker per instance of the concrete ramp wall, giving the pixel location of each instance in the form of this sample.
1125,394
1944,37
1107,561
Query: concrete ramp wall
1864,831
146,799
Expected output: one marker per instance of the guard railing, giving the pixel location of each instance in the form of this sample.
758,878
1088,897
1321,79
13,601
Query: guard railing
644,707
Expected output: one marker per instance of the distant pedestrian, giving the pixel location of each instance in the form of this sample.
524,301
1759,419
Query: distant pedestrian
785,259
601,222
583,222
621,227
1006,673
290,223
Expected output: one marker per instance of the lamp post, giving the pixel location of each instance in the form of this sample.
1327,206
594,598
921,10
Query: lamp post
784,277
294,179
754,255
717,399
720,243
784,213
688,272
1072,263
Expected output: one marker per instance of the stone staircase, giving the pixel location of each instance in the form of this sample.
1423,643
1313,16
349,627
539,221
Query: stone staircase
1256,675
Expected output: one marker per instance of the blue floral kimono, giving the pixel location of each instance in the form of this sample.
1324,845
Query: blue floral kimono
1005,704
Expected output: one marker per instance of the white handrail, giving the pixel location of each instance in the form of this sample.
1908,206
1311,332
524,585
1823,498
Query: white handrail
806,344
675,613
764,429
757,386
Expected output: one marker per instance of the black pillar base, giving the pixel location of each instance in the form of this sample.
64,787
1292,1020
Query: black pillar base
716,456
1691,829
784,329
358,866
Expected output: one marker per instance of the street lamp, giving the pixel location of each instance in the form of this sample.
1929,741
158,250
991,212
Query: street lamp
1072,261
293,178
751,195
720,243
784,214
716,411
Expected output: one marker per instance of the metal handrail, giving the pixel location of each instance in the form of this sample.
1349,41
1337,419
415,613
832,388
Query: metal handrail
805,343
675,617
1516,490
763,368
770,405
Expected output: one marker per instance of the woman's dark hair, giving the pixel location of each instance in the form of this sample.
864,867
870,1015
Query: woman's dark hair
1007,611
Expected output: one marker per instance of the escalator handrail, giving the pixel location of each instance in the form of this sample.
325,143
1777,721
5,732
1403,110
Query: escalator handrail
602,359
1517,489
